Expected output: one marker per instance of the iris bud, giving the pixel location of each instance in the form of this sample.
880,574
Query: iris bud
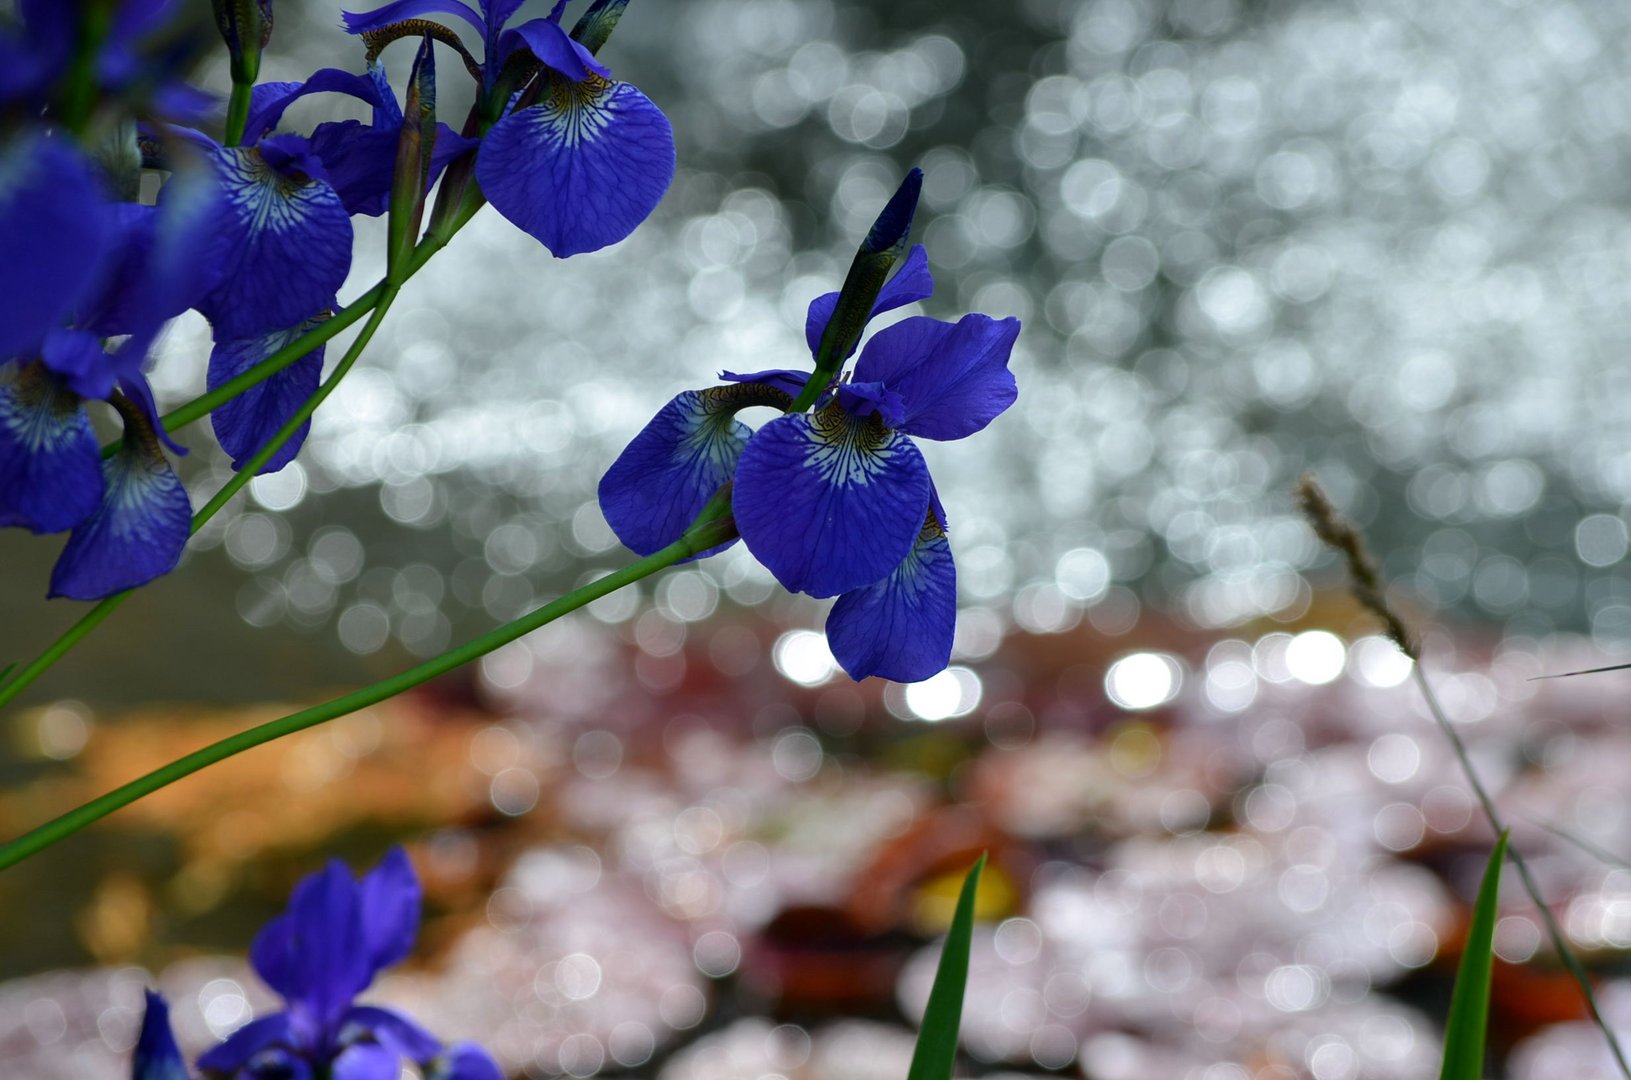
246,27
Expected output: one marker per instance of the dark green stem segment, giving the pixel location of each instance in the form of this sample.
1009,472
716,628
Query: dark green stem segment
237,112
94,617
705,534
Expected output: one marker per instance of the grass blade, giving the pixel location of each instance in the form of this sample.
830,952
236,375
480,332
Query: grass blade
1469,1002
936,1050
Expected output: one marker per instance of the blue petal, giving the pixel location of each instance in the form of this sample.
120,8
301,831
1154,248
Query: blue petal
663,479
50,469
895,219
77,358
157,1056
390,909
395,1032
54,237
466,1061
581,169
137,532
247,422
900,628
361,23
554,48
366,1061
269,101
254,1038
788,381
315,953
829,502
954,377
911,283
290,236
361,160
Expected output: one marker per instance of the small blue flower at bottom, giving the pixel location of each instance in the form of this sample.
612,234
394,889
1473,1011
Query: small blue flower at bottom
838,501
337,934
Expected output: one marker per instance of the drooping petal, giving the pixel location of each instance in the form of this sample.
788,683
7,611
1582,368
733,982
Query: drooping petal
901,627
54,237
581,169
911,283
390,909
50,470
315,953
255,1038
290,235
554,48
269,101
466,1061
954,377
136,534
366,1061
663,479
157,1056
247,422
362,22
829,502
394,1031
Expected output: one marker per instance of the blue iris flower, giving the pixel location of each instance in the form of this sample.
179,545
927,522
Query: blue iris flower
576,159
837,501
336,935
129,514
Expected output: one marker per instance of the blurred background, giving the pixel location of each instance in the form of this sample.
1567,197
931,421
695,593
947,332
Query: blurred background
665,837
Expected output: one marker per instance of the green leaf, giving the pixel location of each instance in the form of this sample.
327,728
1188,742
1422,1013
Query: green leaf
1469,1004
936,1050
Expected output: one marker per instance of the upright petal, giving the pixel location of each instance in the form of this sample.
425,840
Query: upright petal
291,236
390,909
554,48
829,502
157,1056
580,169
247,422
54,237
138,531
662,480
953,377
315,954
911,283
466,1061
900,628
50,470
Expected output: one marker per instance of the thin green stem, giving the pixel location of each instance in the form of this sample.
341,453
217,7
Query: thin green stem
237,112
94,617
699,538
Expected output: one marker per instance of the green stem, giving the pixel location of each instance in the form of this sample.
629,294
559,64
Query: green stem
237,112
699,538
94,617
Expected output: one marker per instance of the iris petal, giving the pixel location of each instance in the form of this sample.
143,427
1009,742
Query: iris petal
394,1031
362,22
366,1061
900,628
50,471
361,160
54,237
247,422
581,169
269,101
911,283
390,909
466,1061
314,954
555,49
255,1037
953,377
157,1056
137,532
829,502
663,479
291,238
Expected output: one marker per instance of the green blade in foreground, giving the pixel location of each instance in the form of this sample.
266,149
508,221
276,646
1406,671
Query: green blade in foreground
1469,1003
936,1050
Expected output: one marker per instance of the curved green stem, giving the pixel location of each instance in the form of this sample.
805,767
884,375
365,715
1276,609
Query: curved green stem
699,537
20,680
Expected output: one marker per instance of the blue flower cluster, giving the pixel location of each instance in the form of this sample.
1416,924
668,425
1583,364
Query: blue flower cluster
254,232
837,501
337,934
